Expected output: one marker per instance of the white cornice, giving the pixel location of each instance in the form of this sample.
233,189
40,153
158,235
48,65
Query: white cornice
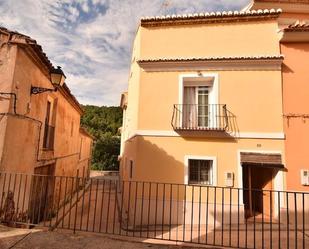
239,135
211,65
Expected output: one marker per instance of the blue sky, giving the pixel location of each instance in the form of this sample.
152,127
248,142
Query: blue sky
92,39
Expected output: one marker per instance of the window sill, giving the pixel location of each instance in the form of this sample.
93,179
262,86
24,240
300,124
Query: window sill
46,149
201,184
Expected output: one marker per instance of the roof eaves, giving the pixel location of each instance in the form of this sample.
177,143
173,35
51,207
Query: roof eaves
209,17
69,94
222,58
297,27
27,40
44,58
84,131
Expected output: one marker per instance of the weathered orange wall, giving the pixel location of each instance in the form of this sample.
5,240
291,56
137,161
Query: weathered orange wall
21,139
7,65
295,101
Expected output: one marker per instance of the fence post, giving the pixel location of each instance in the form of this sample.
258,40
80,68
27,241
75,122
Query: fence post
77,192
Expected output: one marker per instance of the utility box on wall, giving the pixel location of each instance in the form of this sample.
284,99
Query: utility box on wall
229,179
304,177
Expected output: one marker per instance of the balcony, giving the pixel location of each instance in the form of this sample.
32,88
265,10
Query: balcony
48,139
196,117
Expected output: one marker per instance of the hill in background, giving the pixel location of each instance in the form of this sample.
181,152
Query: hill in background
103,123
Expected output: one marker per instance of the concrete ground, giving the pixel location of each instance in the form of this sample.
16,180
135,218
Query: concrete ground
15,238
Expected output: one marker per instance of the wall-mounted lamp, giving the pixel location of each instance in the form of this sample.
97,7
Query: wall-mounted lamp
57,78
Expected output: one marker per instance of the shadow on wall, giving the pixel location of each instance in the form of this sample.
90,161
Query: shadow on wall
144,202
159,167
286,69
232,127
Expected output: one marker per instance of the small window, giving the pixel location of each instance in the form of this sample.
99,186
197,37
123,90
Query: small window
80,148
49,130
72,128
131,169
200,171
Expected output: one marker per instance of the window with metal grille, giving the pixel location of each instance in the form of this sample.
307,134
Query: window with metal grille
200,171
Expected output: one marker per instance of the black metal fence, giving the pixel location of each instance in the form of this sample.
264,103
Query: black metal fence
209,215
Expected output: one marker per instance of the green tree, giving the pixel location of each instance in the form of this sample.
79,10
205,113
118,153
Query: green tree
103,123
105,155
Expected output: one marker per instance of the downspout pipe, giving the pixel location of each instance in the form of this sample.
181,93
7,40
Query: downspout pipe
15,99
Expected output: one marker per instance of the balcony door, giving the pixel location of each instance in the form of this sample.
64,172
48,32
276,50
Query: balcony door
202,106
196,107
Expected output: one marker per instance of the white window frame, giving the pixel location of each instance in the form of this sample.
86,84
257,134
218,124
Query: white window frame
213,89
196,157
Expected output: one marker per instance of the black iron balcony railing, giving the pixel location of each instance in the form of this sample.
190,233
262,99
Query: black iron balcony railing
200,117
48,139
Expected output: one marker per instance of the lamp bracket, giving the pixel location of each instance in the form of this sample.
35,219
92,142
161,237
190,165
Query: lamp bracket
38,90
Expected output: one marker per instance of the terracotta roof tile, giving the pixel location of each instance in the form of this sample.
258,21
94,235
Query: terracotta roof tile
297,27
212,16
33,43
221,58
40,53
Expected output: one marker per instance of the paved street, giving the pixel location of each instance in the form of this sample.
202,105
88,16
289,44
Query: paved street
12,238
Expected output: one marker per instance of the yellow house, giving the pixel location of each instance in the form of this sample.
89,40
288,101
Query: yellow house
204,102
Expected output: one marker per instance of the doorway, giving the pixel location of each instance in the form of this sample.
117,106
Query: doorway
258,183
42,189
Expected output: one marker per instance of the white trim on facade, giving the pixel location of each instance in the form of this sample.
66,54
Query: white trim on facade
214,65
213,170
262,135
156,133
240,135
279,185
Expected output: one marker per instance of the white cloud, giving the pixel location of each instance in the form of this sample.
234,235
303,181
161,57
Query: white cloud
92,39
